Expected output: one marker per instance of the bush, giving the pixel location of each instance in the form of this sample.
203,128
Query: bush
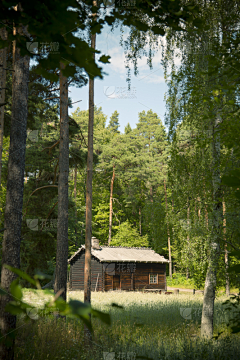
179,279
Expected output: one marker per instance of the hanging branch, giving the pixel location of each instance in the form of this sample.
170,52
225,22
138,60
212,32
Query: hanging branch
49,214
42,187
51,147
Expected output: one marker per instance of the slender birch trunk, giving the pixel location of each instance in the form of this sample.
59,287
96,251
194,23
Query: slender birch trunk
75,198
225,249
169,240
3,65
188,224
214,248
15,185
140,221
111,207
62,228
88,234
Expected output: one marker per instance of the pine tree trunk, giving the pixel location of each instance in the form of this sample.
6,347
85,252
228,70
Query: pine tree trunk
111,207
169,240
15,185
88,234
62,228
3,64
214,251
226,251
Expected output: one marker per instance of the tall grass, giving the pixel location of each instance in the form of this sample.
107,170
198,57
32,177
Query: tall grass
151,325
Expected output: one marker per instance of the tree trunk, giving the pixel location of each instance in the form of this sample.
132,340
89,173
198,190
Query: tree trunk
3,65
214,251
15,185
140,221
88,234
75,198
188,225
169,240
111,207
62,228
226,251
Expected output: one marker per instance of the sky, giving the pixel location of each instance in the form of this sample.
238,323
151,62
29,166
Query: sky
147,89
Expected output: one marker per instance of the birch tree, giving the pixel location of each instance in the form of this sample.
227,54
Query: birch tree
62,228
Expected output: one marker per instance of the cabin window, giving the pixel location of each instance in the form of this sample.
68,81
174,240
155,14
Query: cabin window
153,279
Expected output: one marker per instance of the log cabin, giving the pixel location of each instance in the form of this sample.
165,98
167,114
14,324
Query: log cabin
119,268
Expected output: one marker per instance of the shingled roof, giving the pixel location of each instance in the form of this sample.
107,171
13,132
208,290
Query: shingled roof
124,254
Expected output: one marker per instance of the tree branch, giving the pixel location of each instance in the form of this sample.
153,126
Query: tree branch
42,187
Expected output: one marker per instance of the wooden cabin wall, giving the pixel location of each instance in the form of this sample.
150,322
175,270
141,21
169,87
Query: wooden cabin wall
139,279
77,273
141,276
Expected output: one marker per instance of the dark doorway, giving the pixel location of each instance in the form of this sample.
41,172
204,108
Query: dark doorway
116,282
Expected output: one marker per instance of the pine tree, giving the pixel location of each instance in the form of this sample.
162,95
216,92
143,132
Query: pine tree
114,123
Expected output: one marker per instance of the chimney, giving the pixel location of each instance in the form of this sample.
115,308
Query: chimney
95,244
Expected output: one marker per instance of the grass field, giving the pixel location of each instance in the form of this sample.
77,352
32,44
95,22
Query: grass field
151,326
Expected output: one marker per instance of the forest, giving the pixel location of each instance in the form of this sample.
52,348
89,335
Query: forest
170,184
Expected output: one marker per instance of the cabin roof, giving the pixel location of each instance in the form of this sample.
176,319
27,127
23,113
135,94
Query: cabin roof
124,254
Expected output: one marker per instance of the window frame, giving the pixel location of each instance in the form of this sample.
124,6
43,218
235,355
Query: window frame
153,283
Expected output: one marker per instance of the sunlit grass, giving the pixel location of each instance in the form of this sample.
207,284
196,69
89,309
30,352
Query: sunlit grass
151,325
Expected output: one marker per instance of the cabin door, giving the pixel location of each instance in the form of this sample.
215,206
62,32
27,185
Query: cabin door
116,282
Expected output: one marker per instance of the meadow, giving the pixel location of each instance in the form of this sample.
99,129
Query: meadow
150,326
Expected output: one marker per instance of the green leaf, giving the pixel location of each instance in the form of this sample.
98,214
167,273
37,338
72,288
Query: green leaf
79,308
102,316
13,308
42,276
104,59
235,268
22,274
235,253
3,292
16,289
158,30
117,306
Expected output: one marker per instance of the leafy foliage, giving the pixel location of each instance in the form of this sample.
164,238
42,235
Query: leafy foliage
128,236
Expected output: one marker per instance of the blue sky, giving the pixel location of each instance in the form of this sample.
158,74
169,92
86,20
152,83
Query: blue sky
148,87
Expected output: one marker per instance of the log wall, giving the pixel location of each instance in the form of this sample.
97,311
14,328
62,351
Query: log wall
77,273
139,278
131,278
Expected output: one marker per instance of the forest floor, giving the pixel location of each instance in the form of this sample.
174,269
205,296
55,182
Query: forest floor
150,326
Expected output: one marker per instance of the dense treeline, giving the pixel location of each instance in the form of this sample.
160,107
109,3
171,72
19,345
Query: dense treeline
138,159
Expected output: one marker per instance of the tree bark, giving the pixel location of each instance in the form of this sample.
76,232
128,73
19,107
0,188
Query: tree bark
188,224
3,65
140,221
169,240
75,198
214,251
225,249
15,186
111,207
88,234
62,228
